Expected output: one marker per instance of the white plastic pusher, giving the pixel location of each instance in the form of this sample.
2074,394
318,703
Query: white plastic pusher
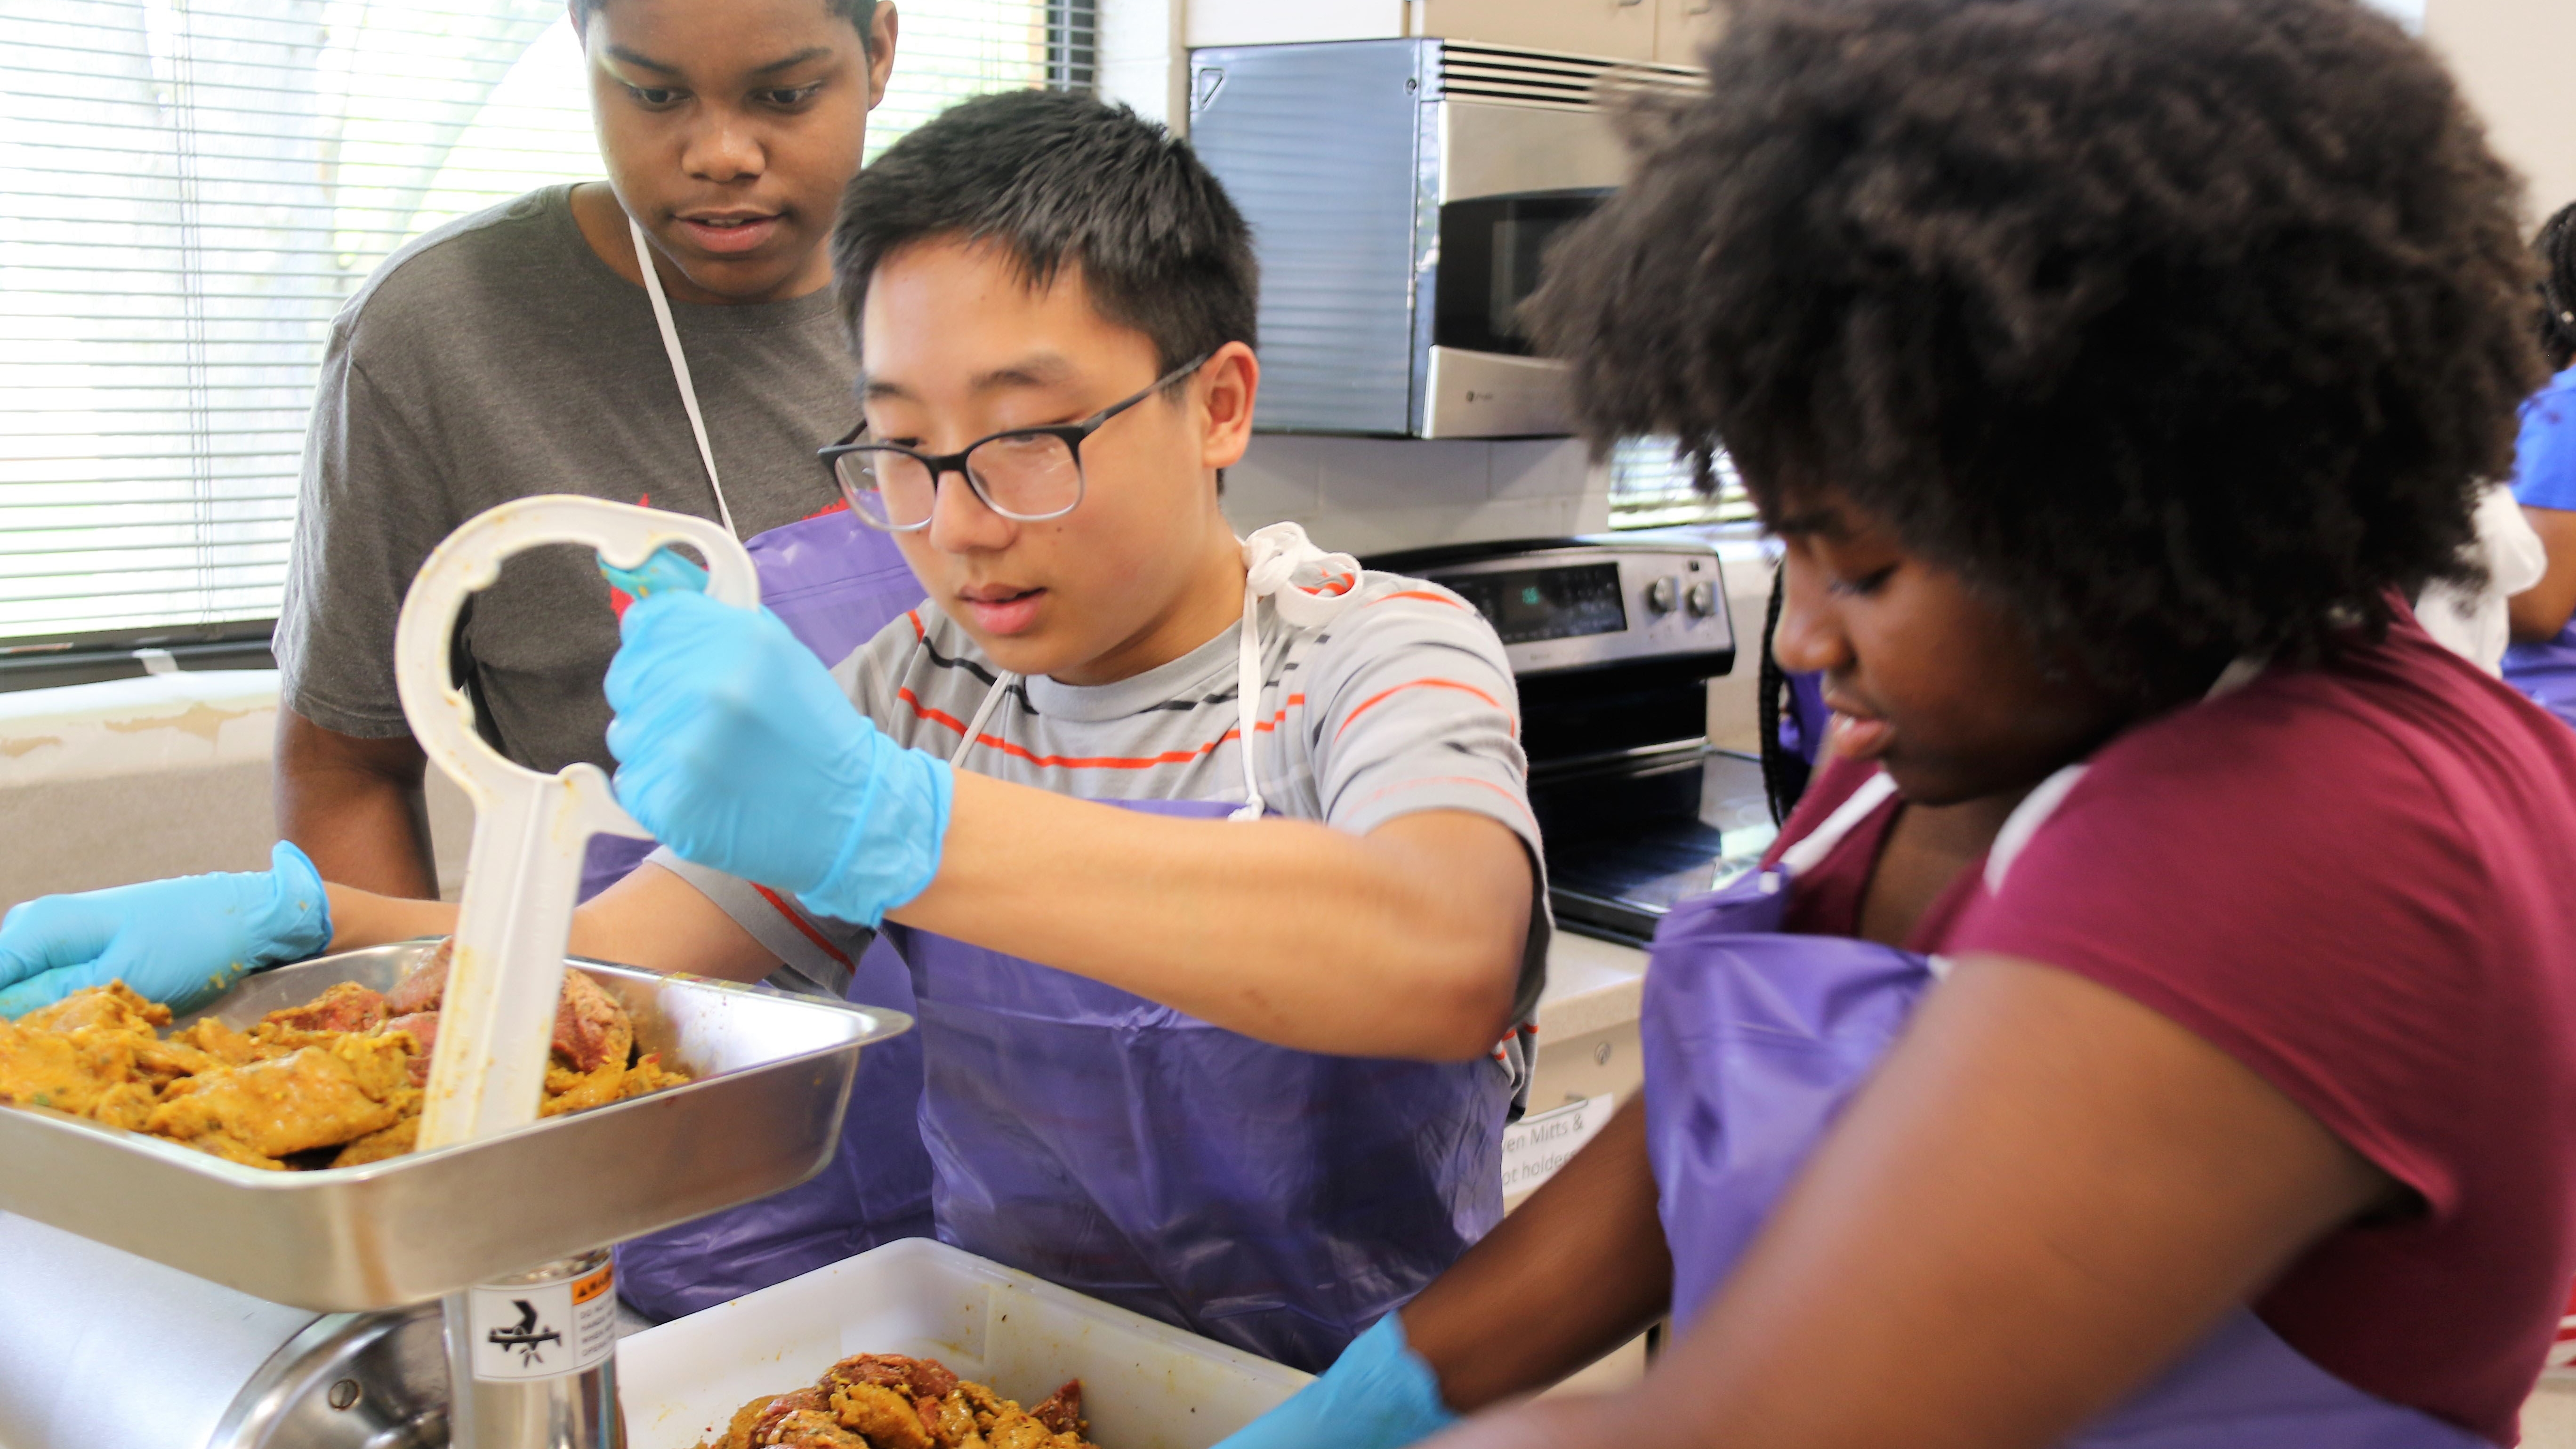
531,831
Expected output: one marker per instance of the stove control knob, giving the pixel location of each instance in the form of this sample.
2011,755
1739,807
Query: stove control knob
1703,599
1663,595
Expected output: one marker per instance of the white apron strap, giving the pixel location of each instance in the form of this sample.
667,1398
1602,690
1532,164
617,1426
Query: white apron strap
679,368
2044,798
1273,557
1812,848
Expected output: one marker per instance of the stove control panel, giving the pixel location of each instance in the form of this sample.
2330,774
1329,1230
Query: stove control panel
1584,603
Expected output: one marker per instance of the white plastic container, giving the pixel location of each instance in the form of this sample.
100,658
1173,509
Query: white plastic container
1146,1385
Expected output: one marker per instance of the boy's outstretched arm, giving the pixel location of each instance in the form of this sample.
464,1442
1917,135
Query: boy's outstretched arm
739,750
1406,941
652,919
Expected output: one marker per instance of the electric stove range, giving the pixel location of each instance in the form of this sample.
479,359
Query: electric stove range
1612,641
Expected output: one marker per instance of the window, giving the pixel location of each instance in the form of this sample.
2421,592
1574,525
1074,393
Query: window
190,189
1651,487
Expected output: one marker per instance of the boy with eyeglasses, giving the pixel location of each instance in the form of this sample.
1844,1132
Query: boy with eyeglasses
1210,858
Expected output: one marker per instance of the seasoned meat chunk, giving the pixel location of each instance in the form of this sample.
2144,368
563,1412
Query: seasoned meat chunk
318,1097
793,1413
168,1060
1015,1430
425,985
345,1007
69,1072
393,1141
890,1401
920,1378
952,1422
215,1039
114,1006
1062,1411
422,1027
591,1029
884,1416
812,1429
737,1434
127,1105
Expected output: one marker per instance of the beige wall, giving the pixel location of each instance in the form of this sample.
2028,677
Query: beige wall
102,784
2516,59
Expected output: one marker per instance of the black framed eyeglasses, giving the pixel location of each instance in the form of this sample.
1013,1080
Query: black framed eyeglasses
1025,474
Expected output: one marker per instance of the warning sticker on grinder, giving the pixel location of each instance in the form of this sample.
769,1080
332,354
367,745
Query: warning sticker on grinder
527,1331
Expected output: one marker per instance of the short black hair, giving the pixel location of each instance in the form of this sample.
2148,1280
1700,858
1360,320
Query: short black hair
1055,177
2555,247
860,13
2184,329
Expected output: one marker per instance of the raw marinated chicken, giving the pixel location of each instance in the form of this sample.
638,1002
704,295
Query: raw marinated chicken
888,1401
344,1070
315,1096
591,1029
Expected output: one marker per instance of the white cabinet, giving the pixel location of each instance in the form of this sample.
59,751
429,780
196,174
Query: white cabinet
1624,29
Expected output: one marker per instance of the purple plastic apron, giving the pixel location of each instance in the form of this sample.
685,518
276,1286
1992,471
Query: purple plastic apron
1276,1200
836,582
1754,1040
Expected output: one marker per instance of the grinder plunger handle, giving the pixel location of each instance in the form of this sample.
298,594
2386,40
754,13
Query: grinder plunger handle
531,831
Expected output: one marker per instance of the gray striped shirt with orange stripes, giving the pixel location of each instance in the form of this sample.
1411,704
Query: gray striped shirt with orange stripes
1403,703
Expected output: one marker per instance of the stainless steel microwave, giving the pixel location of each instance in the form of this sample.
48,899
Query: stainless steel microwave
1401,195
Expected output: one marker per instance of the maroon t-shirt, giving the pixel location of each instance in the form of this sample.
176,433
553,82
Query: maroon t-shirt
2357,881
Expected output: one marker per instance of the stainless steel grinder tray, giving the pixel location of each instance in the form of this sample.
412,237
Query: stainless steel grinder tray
773,1077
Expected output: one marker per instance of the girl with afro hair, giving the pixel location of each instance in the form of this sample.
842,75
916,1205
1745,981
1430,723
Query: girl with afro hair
2113,372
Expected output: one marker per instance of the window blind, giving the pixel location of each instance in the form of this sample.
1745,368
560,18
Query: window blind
1651,486
190,189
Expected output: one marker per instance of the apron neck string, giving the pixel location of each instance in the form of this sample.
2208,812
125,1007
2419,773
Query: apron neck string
1803,855
1273,559
679,368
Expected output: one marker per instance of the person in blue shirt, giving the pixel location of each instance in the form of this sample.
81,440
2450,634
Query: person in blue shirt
2542,659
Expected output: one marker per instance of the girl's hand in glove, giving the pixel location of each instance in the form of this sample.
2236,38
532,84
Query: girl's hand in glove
1378,1395
181,942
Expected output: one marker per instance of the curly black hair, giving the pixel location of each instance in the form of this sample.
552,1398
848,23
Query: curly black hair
2555,246
2185,329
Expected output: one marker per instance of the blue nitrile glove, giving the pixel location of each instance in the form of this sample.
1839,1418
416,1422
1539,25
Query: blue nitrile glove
736,749
181,942
666,572
1379,1394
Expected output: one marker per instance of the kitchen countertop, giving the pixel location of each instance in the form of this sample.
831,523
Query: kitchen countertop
1592,984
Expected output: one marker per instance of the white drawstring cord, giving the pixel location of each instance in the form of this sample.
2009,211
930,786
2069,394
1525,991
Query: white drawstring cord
1002,683
1273,557
679,368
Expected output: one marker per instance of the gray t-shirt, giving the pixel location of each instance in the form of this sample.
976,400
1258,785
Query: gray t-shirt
498,357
